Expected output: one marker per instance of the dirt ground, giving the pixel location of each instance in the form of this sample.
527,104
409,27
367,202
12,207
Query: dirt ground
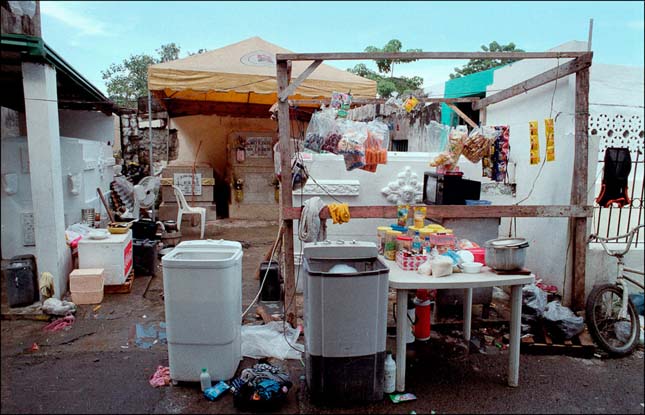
97,367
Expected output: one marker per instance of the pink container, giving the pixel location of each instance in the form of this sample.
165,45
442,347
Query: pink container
86,285
479,254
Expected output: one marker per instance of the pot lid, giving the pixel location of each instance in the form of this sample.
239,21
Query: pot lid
507,242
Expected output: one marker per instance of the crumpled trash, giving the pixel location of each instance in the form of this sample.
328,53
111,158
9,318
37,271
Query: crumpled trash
145,336
275,339
561,322
533,303
60,324
58,308
46,285
161,377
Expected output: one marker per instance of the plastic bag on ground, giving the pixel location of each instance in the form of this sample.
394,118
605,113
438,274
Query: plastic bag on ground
561,321
268,340
533,303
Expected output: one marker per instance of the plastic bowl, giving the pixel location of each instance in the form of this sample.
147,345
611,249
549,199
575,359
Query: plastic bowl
472,267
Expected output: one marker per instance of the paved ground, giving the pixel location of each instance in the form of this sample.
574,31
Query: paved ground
95,367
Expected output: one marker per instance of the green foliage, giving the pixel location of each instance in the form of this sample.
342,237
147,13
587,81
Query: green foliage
128,80
478,65
387,85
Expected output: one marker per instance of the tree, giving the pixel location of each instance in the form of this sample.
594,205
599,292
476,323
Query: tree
128,80
388,85
478,65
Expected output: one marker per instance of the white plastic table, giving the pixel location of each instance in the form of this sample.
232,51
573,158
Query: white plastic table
404,281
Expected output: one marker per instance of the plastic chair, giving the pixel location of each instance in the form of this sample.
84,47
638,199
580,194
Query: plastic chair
183,208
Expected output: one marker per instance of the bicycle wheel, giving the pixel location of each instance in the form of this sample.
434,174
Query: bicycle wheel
617,336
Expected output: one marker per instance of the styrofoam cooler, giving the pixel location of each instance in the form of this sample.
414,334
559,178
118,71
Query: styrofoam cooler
203,302
113,254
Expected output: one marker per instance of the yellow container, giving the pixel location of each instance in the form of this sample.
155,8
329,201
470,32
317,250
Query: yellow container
389,251
423,232
435,228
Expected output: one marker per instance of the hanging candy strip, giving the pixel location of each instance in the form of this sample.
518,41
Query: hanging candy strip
550,140
535,142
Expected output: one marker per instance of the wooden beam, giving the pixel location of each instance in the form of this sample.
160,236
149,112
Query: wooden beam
544,78
282,77
463,116
183,107
579,187
304,75
424,55
459,211
366,101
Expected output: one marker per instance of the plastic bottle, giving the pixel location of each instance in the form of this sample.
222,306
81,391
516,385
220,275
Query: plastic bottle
416,244
390,374
205,379
426,245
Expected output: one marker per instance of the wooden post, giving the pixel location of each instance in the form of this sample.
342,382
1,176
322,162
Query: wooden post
285,195
579,187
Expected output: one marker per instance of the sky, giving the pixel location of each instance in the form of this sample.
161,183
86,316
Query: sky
92,35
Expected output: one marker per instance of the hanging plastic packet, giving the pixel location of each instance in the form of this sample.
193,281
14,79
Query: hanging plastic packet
550,139
313,137
341,102
448,159
477,145
502,150
402,213
410,103
535,142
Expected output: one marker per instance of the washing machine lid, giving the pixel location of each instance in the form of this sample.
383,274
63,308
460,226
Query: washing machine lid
340,249
210,244
201,258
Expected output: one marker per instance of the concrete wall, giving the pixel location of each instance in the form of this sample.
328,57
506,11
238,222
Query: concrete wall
90,125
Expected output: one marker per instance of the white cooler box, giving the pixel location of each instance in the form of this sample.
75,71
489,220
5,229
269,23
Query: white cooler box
113,254
202,283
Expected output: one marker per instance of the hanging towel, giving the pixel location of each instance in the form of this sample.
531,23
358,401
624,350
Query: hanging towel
46,285
618,164
339,212
311,227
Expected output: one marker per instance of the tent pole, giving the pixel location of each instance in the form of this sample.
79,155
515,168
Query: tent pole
150,137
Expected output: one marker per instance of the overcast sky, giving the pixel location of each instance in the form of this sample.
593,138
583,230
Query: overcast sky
92,35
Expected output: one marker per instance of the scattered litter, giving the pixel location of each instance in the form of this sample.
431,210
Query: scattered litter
57,307
34,347
402,397
95,309
413,412
144,316
161,377
124,347
216,391
60,324
145,336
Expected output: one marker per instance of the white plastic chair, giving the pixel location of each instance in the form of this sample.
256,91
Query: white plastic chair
183,208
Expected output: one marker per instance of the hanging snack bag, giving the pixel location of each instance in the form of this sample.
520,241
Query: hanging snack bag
341,102
410,103
402,215
449,158
477,145
313,137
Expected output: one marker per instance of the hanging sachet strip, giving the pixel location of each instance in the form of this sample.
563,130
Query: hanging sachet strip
535,142
550,140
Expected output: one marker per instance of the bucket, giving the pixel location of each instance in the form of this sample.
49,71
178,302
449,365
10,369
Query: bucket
479,254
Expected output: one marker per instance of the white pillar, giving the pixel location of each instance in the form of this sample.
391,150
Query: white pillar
41,110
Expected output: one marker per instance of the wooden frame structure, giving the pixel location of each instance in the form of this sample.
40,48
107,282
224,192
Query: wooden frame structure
578,211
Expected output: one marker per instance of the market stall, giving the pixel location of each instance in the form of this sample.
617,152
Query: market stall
577,211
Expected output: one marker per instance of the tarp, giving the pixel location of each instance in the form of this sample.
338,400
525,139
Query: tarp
245,72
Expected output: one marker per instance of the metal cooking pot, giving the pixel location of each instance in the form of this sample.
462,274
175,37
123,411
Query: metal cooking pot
506,254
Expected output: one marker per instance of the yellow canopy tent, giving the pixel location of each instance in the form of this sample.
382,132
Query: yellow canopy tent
245,72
